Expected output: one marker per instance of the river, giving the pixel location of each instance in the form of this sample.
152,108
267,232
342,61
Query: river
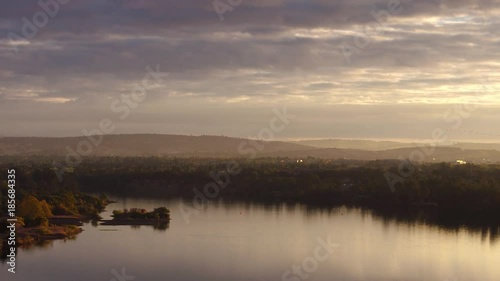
254,242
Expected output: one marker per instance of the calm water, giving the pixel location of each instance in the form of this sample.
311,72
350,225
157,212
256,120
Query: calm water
259,243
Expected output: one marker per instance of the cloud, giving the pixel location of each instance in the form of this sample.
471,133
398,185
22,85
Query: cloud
263,53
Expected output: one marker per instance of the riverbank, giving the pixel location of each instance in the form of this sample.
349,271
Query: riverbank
44,216
33,235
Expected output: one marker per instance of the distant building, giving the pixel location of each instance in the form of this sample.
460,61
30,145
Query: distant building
346,184
461,162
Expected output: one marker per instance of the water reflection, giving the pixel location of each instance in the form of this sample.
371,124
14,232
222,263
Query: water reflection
157,227
486,230
241,241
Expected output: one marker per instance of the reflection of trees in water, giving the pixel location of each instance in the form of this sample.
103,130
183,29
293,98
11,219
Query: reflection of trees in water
161,226
25,248
415,217
45,244
495,234
410,217
485,229
157,227
4,251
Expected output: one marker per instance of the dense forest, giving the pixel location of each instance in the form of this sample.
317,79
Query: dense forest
451,191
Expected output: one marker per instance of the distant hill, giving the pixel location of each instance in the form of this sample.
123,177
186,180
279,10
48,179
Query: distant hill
440,154
220,146
373,145
140,145
356,144
488,146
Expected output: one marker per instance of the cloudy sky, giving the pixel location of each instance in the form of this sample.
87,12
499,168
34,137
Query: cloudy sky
374,69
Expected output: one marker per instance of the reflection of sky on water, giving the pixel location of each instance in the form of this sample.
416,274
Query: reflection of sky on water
260,242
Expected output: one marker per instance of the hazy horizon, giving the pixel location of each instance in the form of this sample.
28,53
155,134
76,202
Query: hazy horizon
407,141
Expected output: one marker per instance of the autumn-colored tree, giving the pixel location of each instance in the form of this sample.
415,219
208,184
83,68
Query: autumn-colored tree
47,209
32,209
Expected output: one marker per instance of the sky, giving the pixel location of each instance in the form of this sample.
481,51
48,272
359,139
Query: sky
363,69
